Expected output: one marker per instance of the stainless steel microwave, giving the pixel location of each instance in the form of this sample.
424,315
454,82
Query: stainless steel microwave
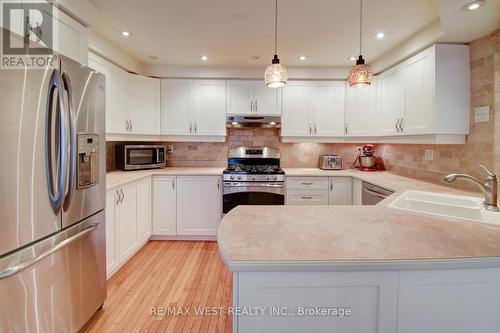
136,157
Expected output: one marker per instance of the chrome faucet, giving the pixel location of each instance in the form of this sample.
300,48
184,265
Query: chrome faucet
489,188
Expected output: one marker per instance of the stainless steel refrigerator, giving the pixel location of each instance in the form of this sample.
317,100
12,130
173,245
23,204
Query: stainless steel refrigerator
52,197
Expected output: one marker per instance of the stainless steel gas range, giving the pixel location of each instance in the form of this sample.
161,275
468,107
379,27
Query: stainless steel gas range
253,177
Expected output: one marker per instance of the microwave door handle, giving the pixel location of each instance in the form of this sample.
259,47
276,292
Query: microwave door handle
71,147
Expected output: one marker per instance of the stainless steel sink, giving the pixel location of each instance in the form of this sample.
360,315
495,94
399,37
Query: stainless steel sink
445,205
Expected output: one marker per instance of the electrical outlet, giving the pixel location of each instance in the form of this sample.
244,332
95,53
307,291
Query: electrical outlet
482,114
358,150
170,148
429,155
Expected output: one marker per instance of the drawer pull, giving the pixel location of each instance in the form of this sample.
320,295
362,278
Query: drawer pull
307,183
307,197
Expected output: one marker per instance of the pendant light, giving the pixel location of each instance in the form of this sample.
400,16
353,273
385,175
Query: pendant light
361,74
276,74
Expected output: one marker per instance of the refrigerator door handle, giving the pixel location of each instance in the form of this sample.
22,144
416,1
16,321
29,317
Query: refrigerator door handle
56,191
30,262
71,149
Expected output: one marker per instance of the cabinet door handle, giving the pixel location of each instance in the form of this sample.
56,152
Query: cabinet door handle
117,196
190,127
127,126
397,123
123,195
310,129
346,128
196,127
251,106
218,184
315,129
256,106
131,126
173,184
401,125
331,185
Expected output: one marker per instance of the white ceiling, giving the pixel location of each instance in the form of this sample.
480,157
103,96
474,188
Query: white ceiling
230,32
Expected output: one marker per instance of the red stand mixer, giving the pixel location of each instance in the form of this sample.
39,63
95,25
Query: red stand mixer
367,159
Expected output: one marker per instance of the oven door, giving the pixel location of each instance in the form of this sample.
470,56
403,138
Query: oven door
143,157
252,193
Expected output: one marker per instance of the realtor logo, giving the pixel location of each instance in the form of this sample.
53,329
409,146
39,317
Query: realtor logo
27,37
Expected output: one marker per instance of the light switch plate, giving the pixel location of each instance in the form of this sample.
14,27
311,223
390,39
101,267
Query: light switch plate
482,114
429,154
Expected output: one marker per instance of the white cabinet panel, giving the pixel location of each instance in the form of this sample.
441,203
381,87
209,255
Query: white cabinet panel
251,97
70,37
329,108
116,94
307,197
392,101
177,104
340,191
111,248
144,208
144,104
267,100
357,192
307,183
126,217
361,115
458,301
419,86
240,97
164,206
210,107
198,205
297,104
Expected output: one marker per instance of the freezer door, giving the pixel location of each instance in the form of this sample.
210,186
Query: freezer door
57,284
25,203
85,98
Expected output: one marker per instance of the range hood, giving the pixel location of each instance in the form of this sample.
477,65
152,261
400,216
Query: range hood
253,121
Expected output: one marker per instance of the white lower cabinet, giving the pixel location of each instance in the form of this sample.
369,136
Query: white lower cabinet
164,206
128,222
319,191
340,191
357,192
199,205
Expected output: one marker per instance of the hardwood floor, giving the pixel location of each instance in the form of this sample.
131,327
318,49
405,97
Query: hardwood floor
167,274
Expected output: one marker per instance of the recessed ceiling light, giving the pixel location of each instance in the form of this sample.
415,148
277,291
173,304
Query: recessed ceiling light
380,35
204,57
474,5
302,58
352,58
125,33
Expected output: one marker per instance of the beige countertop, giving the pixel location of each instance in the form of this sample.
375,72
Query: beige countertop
120,178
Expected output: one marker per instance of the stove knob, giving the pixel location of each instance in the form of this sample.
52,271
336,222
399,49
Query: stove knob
231,177
239,177
268,178
275,177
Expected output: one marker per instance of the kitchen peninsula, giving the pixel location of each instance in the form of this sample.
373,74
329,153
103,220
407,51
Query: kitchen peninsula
394,271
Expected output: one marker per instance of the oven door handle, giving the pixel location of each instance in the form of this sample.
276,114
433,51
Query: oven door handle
270,188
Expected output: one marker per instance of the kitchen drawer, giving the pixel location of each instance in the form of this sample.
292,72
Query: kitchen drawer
301,183
307,197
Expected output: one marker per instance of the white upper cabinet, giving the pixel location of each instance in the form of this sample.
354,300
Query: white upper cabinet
328,108
361,116
143,104
419,84
116,94
427,96
210,107
252,97
193,107
297,105
177,104
391,101
313,109
70,37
